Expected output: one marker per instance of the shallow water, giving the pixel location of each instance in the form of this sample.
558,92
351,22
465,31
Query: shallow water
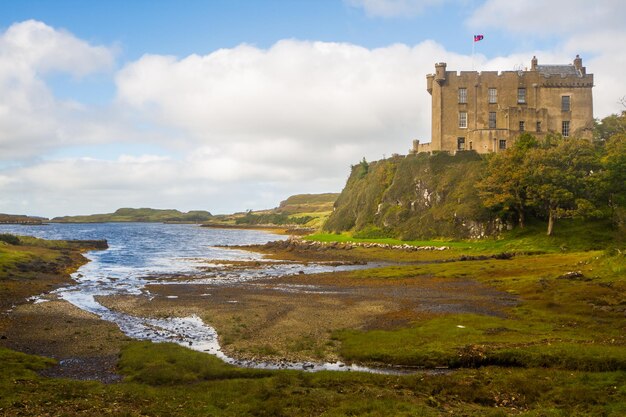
141,254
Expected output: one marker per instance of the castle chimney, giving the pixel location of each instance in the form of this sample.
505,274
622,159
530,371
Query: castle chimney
533,64
440,73
578,64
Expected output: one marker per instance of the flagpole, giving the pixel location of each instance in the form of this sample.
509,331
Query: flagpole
473,43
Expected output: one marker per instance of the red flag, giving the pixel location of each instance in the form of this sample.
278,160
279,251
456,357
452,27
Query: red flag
478,38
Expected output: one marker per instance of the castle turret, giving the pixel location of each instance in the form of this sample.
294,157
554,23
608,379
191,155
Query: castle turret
440,72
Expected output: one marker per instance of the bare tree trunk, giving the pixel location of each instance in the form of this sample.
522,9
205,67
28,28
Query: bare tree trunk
550,222
520,215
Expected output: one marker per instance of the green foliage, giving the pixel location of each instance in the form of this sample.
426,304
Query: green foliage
363,168
504,184
554,178
272,219
10,239
562,180
609,126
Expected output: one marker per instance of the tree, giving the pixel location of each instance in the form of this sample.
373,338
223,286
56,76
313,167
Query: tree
614,163
609,126
564,180
503,187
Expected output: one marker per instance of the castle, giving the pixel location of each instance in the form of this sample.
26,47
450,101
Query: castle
486,111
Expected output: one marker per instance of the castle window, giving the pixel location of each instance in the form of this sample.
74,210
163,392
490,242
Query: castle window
470,146
538,126
492,120
463,119
522,125
462,95
565,128
460,144
565,103
521,95
493,95
502,144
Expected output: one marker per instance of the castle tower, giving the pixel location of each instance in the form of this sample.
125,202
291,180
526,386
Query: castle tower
486,111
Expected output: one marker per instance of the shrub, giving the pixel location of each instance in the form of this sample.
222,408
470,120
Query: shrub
10,239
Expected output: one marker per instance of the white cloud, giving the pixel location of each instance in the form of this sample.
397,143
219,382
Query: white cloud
295,104
549,17
31,118
593,30
394,8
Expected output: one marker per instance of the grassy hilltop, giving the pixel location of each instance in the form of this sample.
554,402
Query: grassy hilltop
139,215
306,211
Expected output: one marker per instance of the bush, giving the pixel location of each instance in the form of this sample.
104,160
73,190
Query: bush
10,239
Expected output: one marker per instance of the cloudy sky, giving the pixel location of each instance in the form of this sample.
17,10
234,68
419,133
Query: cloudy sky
227,105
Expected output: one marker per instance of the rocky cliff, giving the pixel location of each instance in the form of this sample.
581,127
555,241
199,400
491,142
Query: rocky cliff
414,197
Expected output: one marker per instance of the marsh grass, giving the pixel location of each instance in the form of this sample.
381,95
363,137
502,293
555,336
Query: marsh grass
559,322
165,379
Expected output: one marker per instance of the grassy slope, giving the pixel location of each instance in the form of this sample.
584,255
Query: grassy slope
315,208
412,197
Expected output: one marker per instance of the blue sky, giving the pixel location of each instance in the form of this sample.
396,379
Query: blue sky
227,105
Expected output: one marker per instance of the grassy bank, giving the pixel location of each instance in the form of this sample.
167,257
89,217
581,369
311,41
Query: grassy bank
571,235
31,266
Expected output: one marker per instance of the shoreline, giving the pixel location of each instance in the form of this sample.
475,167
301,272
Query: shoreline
35,321
276,229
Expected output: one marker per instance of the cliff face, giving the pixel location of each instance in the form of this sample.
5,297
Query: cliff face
414,197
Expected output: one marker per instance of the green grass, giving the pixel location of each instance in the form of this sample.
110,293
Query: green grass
168,364
197,385
570,235
558,322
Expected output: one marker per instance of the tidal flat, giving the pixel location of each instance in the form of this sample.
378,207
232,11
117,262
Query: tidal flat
531,334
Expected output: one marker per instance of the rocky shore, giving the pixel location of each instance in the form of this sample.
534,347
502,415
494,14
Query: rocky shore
297,243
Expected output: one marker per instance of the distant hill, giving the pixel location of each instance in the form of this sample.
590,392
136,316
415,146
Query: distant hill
306,211
139,215
308,203
20,219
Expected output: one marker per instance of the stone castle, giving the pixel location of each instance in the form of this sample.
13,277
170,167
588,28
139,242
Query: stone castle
486,111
